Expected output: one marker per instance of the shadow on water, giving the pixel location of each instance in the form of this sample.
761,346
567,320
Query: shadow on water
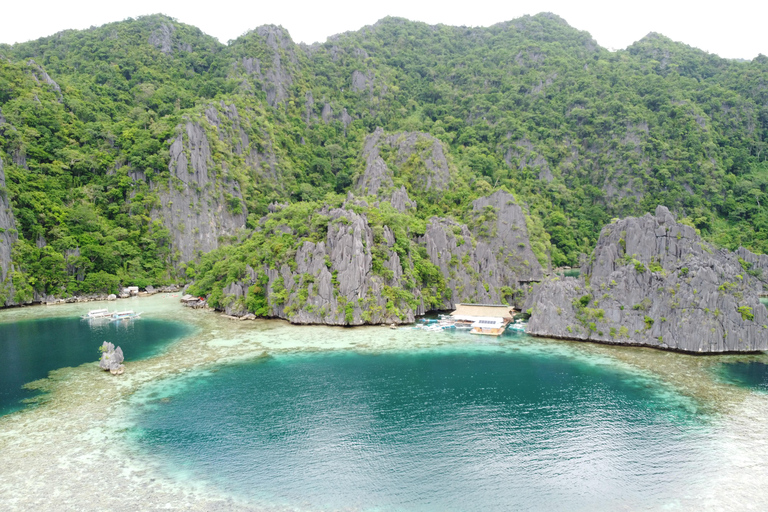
30,349
747,374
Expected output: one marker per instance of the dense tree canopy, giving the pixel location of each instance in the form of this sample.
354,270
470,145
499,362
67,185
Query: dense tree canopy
579,134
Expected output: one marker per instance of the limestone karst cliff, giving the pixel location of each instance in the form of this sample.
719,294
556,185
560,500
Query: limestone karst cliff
485,261
416,157
756,265
653,281
364,271
200,202
132,149
7,237
333,281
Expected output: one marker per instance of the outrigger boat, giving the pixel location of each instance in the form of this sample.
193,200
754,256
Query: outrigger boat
125,315
97,313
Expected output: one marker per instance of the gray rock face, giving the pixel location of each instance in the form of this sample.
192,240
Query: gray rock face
400,200
756,264
309,106
362,82
429,171
111,357
75,267
40,75
333,281
20,157
327,113
7,228
356,275
194,205
8,235
654,282
487,263
161,38
346,118
275,77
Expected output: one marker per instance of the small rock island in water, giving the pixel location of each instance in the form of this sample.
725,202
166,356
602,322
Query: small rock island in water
111,359
653,281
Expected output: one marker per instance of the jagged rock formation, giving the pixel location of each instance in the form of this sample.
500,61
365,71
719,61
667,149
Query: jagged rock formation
484,264
200,203
161,38
40,75
7,237
234,129
419,156
400,200
362,81
654,282
275,77
332,281
756,264
111,358
356,275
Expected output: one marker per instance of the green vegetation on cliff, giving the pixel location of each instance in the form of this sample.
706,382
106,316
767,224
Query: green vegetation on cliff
579,134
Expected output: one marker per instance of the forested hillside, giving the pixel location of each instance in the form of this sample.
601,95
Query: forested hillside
131,151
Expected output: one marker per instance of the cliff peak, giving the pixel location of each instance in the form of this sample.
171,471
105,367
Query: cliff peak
653,281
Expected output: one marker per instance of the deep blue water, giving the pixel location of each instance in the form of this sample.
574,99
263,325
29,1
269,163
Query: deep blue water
32,348
752,374
476,428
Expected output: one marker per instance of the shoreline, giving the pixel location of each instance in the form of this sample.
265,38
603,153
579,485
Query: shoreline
71,451
250,318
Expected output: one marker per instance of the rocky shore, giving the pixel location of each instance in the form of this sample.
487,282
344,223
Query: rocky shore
653,281
125,293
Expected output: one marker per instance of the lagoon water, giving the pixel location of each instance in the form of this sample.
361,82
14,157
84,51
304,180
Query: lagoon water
466,428
749,374
268,416
29,349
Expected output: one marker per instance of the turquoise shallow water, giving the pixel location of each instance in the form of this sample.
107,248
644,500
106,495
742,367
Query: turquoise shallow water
30,349
460,428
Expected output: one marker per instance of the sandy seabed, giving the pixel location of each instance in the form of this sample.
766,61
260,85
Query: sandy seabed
70,452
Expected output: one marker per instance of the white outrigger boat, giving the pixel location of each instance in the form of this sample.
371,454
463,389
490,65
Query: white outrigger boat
125,315
96,314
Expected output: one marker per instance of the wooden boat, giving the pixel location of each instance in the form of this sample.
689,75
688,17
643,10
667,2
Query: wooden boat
97,313
125,315
463,322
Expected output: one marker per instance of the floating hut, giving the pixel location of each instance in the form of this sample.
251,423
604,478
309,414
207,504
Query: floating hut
487,319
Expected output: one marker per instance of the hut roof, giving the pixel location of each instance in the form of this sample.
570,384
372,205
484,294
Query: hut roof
484,310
